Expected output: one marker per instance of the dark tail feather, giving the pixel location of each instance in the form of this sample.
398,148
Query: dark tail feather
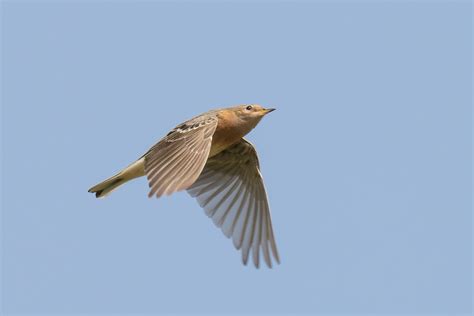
106,187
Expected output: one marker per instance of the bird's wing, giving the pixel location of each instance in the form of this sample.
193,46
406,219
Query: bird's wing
231,191
176,161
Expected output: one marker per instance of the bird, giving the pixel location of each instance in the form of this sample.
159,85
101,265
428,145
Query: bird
209,157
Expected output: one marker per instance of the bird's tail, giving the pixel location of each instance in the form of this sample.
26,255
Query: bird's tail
133,171
106,187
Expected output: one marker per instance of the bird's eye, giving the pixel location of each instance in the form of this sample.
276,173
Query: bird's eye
249,108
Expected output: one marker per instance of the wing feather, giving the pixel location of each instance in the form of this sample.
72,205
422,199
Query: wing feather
231,191
176,161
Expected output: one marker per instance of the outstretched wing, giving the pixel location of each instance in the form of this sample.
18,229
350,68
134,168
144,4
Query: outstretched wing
231,191
177,160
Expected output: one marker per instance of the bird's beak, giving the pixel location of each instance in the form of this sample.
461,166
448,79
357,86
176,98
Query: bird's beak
269,110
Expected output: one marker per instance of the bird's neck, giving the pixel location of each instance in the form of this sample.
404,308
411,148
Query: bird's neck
230,129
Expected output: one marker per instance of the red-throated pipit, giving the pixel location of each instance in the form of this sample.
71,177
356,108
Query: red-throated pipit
208,157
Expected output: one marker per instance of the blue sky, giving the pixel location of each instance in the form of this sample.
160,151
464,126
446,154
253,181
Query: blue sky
367,160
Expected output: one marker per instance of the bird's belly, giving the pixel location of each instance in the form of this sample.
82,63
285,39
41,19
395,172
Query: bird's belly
220,144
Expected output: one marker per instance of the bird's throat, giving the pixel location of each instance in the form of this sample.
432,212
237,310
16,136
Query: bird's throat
230,129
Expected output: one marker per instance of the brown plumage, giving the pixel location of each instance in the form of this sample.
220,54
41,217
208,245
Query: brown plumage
208,157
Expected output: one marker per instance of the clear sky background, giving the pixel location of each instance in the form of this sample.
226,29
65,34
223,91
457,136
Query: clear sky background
367,160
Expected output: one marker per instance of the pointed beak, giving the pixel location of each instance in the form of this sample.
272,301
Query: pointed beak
269,110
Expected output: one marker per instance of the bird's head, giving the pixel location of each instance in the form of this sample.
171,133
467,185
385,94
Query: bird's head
251,113
242,118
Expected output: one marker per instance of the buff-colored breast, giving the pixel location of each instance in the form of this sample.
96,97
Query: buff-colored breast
230,129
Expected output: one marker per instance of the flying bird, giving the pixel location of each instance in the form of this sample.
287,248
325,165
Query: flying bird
208,156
